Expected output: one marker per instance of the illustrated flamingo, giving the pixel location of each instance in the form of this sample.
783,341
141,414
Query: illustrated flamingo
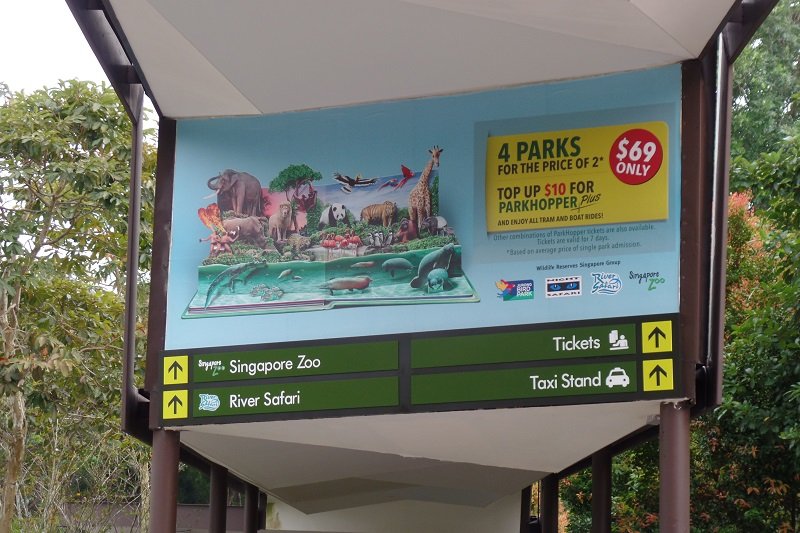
353,241
329,243
341,242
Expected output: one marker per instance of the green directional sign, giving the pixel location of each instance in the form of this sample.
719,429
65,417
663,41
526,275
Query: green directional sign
297,361
294,397
622,359
564,343
522,383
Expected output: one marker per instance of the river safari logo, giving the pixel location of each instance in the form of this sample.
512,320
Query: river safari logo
515,290
209,402
606,283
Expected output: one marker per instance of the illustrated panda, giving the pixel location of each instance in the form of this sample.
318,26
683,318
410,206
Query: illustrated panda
332,215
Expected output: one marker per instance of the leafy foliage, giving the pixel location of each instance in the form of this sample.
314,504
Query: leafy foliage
634,493
766,87
292,176
774,181
64,176
749,475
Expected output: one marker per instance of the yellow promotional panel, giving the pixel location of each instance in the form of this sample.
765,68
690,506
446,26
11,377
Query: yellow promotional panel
604,175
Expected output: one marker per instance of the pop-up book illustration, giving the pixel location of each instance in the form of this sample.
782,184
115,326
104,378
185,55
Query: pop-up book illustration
300,245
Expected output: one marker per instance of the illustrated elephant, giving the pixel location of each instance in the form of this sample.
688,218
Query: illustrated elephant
237,191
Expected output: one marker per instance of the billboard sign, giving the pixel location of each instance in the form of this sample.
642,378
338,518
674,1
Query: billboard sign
372,240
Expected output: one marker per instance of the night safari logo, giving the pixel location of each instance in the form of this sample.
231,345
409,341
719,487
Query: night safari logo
562,287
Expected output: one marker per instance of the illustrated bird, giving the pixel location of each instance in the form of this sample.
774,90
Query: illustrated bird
505,287
407,175
389,183
348,183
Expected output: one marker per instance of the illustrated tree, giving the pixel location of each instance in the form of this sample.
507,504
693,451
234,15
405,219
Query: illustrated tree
292,177
295,181
64,172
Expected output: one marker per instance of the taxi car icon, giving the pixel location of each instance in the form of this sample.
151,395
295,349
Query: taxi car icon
617,376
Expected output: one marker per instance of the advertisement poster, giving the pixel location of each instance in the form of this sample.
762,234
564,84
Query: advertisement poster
292,246
581,177
531,205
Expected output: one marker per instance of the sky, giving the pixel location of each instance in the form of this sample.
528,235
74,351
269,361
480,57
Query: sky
41,43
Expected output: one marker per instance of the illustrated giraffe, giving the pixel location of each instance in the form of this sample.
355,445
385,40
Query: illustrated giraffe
419,199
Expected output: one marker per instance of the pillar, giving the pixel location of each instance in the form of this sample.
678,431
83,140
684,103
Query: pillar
601,492
674,468
164,481
218,499
251,497
549,506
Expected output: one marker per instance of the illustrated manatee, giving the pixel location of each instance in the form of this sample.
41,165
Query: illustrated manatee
438,281
397,263
436,259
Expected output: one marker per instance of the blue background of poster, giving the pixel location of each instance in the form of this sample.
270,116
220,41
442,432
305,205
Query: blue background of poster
375,140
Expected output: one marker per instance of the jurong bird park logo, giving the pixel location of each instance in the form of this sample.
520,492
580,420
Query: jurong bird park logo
515,290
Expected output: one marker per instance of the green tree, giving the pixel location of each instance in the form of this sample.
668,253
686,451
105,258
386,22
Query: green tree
64,172
747,468
766,85
774,181
634,493
293,177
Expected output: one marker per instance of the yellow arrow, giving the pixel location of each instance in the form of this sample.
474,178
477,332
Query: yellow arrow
175,404
176,370
657,336
657,374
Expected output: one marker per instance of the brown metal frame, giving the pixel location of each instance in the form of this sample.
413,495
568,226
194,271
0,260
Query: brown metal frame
164,481
218,499
704,125
601,492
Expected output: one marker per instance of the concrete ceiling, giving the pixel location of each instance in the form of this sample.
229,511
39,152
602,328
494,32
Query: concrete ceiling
249,57
466,458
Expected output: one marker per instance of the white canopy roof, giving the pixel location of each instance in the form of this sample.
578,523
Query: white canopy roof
249,57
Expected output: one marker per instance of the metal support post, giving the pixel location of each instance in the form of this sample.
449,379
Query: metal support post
262,511
549,507
601,492
164,481
218,499
525,509
251,497
674,468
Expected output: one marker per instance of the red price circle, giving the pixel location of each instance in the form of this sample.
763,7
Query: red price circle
636,156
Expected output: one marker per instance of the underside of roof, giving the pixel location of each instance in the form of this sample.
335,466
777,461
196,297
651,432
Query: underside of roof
203,58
